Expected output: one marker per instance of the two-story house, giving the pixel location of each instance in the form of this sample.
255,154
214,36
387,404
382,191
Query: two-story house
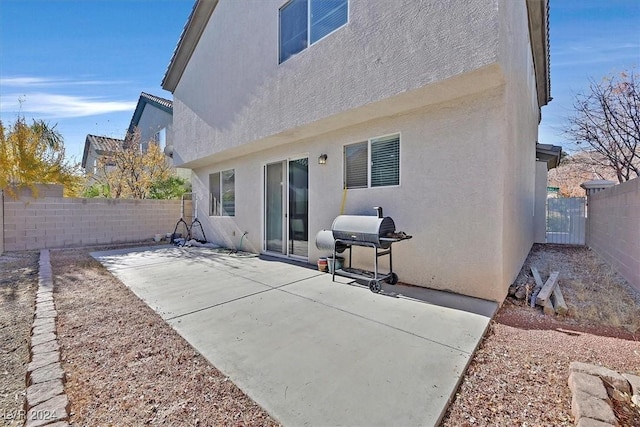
286,110
152,118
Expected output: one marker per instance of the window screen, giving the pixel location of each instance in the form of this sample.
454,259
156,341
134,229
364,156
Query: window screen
222,193
293,28
326,16
214,190
355,165
385,161
228,193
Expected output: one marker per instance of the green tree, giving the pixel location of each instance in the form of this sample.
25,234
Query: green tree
171,188
34,154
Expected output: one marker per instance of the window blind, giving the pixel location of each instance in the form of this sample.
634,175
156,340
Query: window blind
355,165
326,16
385,161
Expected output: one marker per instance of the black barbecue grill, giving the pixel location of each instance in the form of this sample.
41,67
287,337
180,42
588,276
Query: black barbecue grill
377,232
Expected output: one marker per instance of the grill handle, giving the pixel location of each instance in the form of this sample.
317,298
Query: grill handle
379,209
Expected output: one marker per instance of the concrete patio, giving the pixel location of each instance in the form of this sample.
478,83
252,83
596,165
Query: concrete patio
311,351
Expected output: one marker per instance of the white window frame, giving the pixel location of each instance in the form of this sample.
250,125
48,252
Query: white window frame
369,142
213,212
309,43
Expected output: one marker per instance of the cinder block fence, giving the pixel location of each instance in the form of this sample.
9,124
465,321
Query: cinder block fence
613,228
53,221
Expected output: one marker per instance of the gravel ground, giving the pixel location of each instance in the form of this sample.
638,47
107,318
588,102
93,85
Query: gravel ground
125,366
518,376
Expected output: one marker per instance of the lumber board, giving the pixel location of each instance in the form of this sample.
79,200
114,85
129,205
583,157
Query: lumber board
537,287
536,277
548,308
547,289
558,301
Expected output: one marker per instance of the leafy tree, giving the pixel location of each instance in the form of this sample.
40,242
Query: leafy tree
606,122
131,172
95,191
34,154
171,188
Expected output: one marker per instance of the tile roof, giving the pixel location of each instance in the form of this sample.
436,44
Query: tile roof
156,99
146,98
101,144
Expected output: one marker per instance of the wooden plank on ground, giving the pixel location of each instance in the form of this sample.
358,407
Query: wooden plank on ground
558,301
537,287
547,308
547,289
536,277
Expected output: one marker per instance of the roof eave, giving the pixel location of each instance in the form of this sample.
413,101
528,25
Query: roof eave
538,13
189,38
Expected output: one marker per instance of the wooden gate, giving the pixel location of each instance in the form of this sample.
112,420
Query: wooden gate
566,220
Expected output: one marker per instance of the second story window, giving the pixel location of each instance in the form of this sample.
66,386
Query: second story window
304,22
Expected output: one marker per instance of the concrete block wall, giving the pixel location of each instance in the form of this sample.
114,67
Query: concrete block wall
614,228
57,222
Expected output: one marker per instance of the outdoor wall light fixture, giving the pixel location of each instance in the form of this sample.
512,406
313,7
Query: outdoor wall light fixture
322,160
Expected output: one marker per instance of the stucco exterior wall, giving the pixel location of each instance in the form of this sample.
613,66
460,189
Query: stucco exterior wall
56,222
519,140
370,68
614,228
465,107
540,215
448,199
152,121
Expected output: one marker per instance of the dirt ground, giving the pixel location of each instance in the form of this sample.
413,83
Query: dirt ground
125,366
18,286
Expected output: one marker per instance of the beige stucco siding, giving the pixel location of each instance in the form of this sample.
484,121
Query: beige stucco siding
454,79
237,92
449,198
519,141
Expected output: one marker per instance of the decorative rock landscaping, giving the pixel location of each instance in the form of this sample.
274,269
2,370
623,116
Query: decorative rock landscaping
46,403
592,387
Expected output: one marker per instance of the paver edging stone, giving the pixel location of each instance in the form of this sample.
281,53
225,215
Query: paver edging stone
589,406
46,402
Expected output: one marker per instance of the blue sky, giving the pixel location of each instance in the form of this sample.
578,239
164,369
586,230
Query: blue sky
589,39
83,63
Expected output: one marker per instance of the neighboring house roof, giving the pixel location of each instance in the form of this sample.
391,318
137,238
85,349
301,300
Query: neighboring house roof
196,23
146,98
550,154
537,11
101,145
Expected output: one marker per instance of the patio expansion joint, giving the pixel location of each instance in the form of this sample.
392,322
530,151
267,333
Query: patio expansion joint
270,288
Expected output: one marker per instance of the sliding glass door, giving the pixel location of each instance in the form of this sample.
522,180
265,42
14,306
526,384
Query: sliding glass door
286,202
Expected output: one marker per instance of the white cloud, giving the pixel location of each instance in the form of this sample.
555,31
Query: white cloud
31,81
56,106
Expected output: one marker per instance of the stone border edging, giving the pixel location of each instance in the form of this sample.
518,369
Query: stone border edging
590,403
46,402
